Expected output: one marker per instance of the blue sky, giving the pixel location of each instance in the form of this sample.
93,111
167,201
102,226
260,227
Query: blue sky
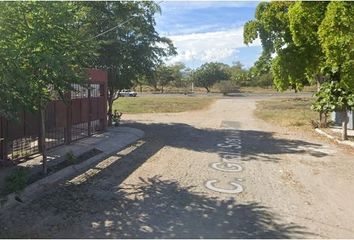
208,31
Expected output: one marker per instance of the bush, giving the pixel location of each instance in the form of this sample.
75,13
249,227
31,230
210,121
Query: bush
70,157
116,117
227,87
16,181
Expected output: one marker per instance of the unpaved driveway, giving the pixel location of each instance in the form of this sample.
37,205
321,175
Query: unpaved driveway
218,173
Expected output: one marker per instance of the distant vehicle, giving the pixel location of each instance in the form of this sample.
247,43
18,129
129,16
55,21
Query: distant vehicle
127,93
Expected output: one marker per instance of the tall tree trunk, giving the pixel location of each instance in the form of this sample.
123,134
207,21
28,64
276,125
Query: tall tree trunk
161,88
325,122
323,119
42,140
155,87
344,125
207,89
141,88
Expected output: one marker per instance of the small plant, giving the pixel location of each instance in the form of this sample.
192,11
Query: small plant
116,117
70,157
16,181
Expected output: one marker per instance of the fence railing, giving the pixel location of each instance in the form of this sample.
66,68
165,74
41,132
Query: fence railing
82,116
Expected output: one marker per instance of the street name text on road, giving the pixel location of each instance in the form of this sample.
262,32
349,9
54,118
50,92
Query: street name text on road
230,162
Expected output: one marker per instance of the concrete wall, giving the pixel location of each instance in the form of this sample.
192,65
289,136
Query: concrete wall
337,119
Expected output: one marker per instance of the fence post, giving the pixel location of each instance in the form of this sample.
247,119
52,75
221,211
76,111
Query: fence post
39,134
89,109
68,129
2,152
3,139
103,94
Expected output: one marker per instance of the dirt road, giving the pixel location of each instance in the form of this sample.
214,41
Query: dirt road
217,173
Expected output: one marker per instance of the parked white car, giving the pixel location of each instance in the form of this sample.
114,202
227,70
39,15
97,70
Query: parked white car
127,93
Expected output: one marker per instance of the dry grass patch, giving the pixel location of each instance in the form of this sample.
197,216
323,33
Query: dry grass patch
161,104
270,89
292,112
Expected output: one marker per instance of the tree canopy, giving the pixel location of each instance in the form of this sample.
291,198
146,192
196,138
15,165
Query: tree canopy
168,74
130,50
210,73
271,25
336,34
310,41
43,50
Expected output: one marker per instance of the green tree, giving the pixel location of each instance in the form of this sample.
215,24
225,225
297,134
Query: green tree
130,50
271,25
210,73
305,19
310,41
164,75
336,34
236,72
186,81
262,65
43,50
179,71
325,31
169,74
333,96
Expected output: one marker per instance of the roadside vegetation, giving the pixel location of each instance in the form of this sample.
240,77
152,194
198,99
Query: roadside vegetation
49,45
311,43
209,77
162,104
292,112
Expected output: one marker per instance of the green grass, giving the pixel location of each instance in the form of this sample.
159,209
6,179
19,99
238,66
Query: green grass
161,104
292,112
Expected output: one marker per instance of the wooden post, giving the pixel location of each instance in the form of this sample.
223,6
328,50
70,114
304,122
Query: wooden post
3,139
68,128
103,94
89,109
42,139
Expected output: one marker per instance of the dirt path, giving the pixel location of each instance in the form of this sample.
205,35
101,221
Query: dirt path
219,173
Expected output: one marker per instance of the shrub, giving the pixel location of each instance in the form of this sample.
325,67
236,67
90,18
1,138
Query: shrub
227,87
16,181
70,157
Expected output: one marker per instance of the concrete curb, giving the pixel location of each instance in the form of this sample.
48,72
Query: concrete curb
131,135
347,143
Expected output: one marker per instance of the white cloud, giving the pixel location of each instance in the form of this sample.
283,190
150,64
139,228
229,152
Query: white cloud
208,46
201,4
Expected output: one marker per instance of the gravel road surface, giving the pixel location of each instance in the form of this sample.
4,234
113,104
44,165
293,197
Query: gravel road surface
216,173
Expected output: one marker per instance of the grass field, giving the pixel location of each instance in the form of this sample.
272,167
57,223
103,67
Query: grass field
216,89
161,104
294,112
272,90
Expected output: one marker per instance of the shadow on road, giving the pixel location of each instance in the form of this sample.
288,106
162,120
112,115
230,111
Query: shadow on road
151,208
103,207
256,145
155,208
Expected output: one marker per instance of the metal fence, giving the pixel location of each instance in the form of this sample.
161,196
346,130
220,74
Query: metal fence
82,116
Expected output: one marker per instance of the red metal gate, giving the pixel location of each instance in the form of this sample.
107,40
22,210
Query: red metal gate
84,115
